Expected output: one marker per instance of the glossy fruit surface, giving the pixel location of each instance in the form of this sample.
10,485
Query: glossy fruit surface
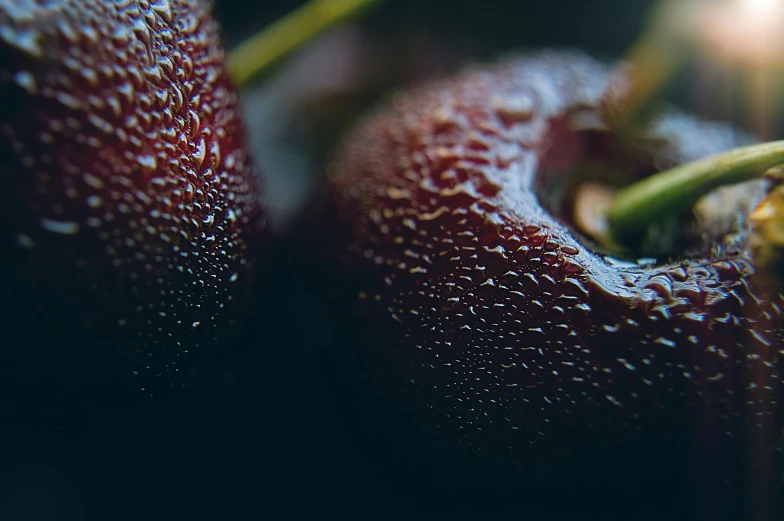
128,202
505,335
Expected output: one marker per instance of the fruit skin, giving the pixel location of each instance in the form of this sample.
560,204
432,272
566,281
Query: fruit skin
497,335
130,208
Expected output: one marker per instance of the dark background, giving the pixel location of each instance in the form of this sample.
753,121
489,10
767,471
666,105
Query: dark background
259,431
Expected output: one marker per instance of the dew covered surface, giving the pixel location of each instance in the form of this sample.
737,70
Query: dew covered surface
128,203
498,341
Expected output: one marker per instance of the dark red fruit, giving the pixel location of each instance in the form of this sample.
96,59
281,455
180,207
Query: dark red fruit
509,340
128,202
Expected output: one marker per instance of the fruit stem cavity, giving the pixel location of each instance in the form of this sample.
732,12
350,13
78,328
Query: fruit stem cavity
266,48
673,191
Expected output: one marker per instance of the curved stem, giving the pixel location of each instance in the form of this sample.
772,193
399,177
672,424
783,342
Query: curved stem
652,61
285,35
667,193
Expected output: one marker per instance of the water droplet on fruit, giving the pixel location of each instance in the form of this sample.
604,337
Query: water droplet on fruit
25,241
514,109
62,227
23,38
215,154
199,154
142,33
68,100
620,263
27,81
148,162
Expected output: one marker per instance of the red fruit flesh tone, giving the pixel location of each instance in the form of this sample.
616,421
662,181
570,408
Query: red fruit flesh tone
128,199
507,339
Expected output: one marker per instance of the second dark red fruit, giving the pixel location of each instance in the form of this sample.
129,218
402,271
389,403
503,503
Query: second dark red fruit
502,336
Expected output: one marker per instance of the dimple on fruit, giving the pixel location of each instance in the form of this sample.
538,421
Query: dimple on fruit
506,337
129,202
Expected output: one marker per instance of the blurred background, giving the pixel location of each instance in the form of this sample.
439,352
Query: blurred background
258,431
312,98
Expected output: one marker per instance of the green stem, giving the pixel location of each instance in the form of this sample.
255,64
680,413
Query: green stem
275,42
651,62
641,204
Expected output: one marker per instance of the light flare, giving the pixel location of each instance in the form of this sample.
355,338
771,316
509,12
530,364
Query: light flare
745,31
